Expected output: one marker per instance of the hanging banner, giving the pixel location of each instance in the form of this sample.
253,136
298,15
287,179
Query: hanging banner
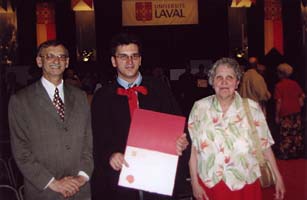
45,22
242,3
7,6
81,5
159,12
273,28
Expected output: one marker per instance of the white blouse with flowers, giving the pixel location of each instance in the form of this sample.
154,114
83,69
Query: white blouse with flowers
224,147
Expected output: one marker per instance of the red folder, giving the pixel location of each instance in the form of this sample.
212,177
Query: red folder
155,131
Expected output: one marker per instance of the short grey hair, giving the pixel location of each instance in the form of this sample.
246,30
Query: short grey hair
229,62
285,69
51,43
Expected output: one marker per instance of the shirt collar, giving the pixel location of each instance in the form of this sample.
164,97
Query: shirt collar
50,88
127,85
235,105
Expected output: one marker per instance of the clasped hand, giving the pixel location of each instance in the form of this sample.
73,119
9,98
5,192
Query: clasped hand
68,186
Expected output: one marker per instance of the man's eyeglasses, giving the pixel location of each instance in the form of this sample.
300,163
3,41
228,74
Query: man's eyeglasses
125,57
52,57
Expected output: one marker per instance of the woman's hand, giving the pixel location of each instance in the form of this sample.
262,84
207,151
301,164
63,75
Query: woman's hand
198,192
279,189
279,186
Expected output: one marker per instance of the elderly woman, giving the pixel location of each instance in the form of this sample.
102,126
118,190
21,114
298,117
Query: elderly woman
289,98
223,164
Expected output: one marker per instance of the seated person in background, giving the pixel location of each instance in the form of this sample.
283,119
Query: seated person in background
186,90
158,72
203,89
72,78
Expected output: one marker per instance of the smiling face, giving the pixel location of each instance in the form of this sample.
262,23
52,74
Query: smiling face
225,82
127,61
53,60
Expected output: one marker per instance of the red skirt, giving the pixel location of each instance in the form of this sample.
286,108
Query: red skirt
221,191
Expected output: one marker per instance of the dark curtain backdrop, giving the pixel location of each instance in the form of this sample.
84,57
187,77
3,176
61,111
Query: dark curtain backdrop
293,38
255,28
26,36
168,45
65,27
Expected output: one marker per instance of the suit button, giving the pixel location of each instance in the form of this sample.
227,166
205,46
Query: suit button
65,129
67,146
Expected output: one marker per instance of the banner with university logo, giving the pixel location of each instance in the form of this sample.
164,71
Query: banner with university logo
159,12
273,27
45,22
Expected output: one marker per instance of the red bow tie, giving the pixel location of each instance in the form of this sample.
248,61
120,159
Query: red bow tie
131,93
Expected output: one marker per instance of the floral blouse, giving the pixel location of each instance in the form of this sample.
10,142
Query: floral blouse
224,147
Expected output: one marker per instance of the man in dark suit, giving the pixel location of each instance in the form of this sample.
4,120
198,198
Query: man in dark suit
51,133
111,117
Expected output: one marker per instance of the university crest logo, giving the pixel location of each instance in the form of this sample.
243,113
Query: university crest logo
143,11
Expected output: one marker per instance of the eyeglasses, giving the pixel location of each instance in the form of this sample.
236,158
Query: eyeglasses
125,57
52,57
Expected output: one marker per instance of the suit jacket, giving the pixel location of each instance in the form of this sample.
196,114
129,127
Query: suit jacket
110,122
44,146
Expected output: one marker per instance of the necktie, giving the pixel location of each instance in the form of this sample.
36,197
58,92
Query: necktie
58,103
131,93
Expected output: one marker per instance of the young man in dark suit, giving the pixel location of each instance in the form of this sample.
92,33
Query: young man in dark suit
111,117
51,133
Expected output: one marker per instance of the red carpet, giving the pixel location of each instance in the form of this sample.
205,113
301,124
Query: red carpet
294,173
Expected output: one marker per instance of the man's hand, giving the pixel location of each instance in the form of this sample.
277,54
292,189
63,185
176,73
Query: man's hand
81,180
117,161
181,144
67,186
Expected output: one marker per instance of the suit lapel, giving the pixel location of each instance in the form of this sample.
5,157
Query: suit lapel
44,100
69,102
